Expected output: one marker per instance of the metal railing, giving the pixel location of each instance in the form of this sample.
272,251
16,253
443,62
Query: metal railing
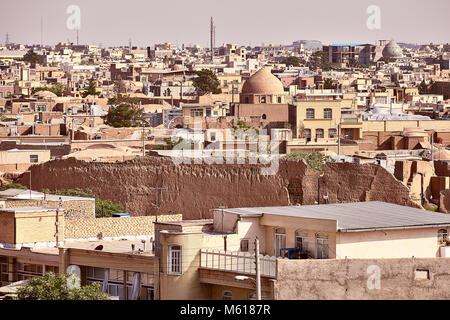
242,262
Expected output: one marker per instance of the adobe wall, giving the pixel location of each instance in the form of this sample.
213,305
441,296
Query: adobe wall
72,209
444,201
349,279
442,168
195,189
113,227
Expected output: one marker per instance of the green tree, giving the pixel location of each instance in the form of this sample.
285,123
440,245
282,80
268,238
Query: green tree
293,61
125,115
12,186
328,84
206,82
423,87
31,57
57,89
91,90
319,60
53,287
315,160
353,63
103,208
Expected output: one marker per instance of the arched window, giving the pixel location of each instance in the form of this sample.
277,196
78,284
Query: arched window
301,240
332,133
319,133
280,241
264,116
442,235
327,113
309,113
321,245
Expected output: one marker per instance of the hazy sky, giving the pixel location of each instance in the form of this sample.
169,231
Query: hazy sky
245,22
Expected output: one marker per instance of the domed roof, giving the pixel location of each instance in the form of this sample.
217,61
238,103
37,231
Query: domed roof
45,94
392,50
263,82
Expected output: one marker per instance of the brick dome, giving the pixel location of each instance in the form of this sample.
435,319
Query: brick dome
263,82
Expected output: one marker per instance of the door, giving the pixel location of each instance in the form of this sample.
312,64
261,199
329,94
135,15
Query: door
280,241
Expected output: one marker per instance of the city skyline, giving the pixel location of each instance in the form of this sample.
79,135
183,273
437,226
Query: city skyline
250,24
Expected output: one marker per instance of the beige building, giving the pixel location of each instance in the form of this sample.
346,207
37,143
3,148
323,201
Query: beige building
201,259
318,123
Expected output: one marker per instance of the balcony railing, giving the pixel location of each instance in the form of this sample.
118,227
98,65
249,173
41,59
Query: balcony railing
241,262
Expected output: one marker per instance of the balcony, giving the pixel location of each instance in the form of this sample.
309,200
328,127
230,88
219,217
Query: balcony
350,121
239,262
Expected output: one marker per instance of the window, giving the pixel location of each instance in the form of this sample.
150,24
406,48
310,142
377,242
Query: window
321,246
244,245
280,241
264,116
442,236
263,99
175,259
227,295
332,133
327,113
301,240
279,99
319,133
197,113
213,136
309,113
246,100
34,158
208,112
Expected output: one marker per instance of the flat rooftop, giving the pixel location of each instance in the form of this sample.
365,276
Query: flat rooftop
186,223
356,216
29,209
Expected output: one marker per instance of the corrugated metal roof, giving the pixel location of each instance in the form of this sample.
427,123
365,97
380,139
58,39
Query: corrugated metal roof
357,216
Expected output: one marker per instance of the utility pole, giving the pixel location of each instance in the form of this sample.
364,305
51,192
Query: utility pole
143,138
57,223
432,146
318,186
258,271
339,139
158,197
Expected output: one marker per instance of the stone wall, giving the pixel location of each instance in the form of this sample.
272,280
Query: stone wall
194,189
72,209
356,279
113,227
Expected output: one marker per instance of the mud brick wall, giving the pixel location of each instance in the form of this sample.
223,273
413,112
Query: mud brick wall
113,227
194,189
72,209
355,279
